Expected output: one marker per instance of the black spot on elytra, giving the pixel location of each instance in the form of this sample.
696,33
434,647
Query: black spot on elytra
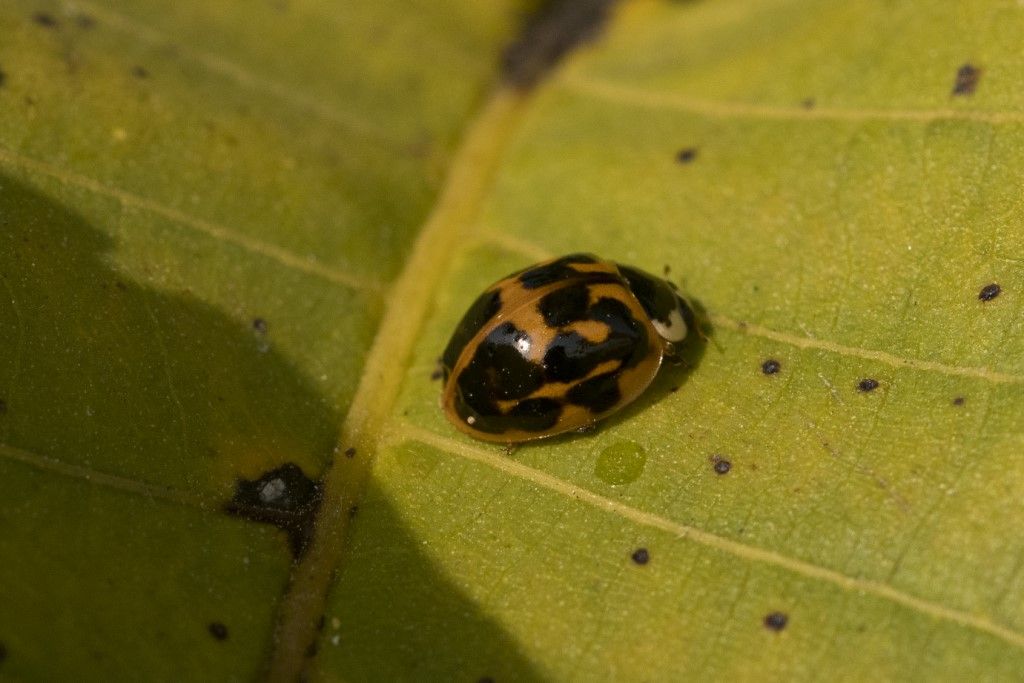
966,82
565,305
686,155
641,556
283,497
770,366
989,292
45,19
776,621
218,630
558,270
720,464
571,356
480,312
556,28
596,394
140,72
959,401
498,368
867,384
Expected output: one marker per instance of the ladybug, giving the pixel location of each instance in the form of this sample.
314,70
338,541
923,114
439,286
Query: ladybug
558,346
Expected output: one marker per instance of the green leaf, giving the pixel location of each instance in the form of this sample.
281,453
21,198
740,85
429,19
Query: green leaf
239,237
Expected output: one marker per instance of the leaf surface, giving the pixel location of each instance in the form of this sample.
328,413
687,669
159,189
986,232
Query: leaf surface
239,238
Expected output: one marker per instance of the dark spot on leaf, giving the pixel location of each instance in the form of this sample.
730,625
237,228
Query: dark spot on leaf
673,389
641,556
120,285
140,72
3,407
867,384
320,623
85,21
808,103
989,292
686,155
776,621
218,630
259,325
551,32
283,497
485,679
666,270
44,19
437,374
721,465
353,511
350,452
770,366
967,77
3,78
3,652
311,650
959,401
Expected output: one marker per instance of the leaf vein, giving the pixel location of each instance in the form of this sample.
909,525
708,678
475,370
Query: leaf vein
219,233
406,431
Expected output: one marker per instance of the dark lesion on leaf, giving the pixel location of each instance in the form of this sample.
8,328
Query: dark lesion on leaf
552,31
284,497
966,82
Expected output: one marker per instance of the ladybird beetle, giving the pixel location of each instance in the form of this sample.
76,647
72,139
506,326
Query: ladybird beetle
558,346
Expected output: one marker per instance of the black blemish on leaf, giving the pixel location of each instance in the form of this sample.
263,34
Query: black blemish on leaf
989,292
485,679
776,621
353,511
666,270
721,465
218,630
350,452
283,497
551,32
259,325
867,384
686,155
3,77
959,401
45,19
85,21
808,103
311,650
3,407
641,556
3,652
140,72
320,623
770,366
966,82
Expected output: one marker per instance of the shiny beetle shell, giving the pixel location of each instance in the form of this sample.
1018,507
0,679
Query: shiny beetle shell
557,347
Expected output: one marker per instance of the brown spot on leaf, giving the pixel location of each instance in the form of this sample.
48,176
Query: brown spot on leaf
989,292
686,155
45,19
776,621
967,77
770,366
959,401
867,384
641,556
551,32
283,497
218,630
